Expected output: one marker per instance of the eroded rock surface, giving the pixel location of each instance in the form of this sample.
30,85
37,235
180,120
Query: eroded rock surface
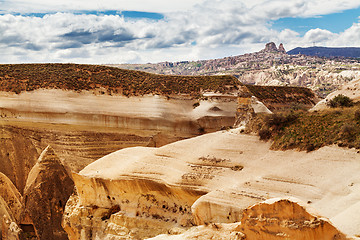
285,219
48,187
17,156
182,184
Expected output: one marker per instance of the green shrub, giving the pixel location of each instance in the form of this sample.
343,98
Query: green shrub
340,101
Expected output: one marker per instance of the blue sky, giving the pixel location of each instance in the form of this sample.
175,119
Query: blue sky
139,31
335,22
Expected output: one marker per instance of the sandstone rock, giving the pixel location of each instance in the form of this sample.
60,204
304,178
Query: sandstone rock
10,230
285,219
194,181
17,156
48,187
11,197
212,231
281,48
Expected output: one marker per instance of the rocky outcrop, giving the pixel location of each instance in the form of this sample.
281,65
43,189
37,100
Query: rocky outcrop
48,187
285,219
351,90
270,47
281,48
273,219
17,156
11,196
10,208
142,192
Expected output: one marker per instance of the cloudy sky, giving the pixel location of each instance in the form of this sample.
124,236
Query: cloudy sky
141,31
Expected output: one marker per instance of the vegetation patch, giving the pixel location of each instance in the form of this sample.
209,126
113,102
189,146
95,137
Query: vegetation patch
275,95
28,77
310,130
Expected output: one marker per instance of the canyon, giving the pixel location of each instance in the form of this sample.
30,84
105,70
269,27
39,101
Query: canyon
161,157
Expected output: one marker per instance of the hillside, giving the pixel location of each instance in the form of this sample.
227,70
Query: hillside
350,52
308,131
28,77
271,66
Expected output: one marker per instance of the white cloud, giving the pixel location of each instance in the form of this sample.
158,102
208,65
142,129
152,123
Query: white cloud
202,29
159,6
319,36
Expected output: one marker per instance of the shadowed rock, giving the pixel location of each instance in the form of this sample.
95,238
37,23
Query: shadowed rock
48,187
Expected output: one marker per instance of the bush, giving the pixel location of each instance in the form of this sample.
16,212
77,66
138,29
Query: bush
264,134
357,115
340,101
278,121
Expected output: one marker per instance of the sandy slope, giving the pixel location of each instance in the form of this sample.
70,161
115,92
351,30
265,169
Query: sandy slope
327,179
351,89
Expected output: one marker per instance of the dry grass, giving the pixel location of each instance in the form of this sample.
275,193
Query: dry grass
28,77
311,130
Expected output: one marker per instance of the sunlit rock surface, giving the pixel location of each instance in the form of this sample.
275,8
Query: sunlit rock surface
143,192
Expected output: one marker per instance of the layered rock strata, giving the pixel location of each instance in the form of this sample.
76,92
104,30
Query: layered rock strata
142,192
179,113
273,219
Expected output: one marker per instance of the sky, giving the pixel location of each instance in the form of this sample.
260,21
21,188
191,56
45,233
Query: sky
143,31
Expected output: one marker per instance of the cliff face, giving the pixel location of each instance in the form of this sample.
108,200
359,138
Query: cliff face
142,192
17,156
48,187
10,208
180,114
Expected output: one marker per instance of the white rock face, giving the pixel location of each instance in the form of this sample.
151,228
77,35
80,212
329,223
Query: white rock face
150,112
351,90
207,179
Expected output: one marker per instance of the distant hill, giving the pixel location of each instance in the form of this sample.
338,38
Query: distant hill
352,52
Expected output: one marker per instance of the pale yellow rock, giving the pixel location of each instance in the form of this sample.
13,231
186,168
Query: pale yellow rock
11,197
285,219
149,185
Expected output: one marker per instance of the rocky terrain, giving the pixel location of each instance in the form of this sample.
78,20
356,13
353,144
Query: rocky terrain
170,189
132,122
85,112
271,66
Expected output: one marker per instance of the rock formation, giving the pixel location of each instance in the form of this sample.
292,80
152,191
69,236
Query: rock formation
273,219
142,192
17,156
281,48
351,90
271,47
10,208
48,187
285,219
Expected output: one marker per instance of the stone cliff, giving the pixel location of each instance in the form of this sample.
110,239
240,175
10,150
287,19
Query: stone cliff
10,208
48,187
142,192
